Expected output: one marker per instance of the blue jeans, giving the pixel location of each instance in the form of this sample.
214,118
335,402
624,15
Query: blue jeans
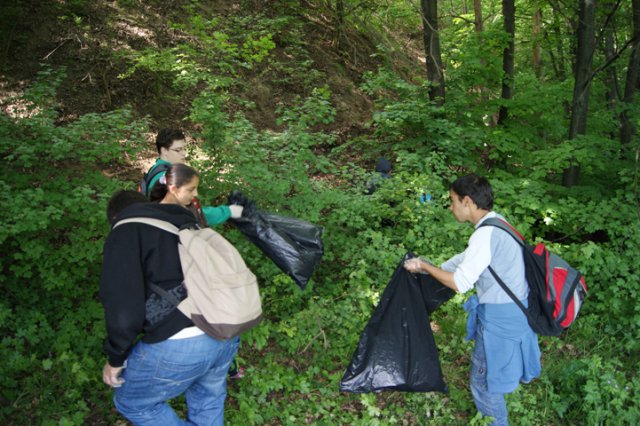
196,367
489,404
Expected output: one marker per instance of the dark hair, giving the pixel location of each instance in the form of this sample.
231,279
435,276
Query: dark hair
383,165
178,175
122,199
477,188
165,138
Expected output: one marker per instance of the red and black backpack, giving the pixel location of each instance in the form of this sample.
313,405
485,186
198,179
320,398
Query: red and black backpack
556,289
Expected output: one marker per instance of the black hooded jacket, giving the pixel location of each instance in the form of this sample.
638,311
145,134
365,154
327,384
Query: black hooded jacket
135,255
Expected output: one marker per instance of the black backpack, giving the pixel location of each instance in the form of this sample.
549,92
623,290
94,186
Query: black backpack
556,289
148,177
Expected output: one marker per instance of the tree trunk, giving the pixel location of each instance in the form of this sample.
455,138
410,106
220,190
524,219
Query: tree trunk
435,73
509,15
633,77
537,25
611,79
339,23
558,36
581,88
477,15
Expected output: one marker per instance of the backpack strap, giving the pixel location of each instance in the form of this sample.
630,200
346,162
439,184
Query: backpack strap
162,224
150,175
164,294
165,226
508,291
506,226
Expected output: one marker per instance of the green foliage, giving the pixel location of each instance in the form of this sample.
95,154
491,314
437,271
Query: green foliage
215,48
409,121
300,353
52,224
57,182
289,155
595,391
474,58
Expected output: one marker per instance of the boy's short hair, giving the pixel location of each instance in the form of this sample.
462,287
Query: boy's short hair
383,165
122,199
477,188
165,138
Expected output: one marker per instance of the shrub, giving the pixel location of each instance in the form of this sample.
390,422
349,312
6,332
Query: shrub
53,190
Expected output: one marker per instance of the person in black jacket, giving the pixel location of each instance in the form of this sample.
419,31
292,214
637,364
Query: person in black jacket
155,353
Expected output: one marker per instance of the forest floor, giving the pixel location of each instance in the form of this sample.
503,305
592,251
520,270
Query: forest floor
92,44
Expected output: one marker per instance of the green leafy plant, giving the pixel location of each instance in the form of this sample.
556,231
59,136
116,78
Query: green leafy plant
52,230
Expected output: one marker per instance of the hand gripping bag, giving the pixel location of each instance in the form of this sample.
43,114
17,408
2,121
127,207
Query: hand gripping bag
397,350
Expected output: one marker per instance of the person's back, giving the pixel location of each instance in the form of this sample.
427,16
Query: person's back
125,279
487,246
155,353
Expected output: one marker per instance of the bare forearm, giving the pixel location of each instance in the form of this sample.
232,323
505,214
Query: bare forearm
416,265
445,277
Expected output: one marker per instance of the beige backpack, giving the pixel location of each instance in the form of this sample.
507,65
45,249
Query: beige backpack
223,298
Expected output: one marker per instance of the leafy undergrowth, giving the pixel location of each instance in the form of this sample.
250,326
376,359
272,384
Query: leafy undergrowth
52,323
53,224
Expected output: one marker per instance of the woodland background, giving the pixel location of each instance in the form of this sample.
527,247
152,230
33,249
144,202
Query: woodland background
292,102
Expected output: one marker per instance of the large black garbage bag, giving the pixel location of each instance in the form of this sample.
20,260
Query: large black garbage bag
295,246
433,292
397,350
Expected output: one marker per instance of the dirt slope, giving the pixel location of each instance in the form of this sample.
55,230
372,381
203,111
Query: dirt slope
88,38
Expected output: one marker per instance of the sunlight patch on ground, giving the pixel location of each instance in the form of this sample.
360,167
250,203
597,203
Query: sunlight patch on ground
129,30
13,106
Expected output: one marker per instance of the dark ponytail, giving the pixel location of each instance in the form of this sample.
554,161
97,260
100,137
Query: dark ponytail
178,175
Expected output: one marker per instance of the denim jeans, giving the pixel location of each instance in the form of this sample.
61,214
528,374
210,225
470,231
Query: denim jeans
155,373
489,404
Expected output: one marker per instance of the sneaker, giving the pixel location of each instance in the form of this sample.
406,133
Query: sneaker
237,374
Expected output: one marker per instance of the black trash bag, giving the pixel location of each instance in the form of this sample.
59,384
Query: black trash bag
295,246
433,292
397,350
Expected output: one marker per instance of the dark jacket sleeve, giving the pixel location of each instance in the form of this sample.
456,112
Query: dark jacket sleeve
122,292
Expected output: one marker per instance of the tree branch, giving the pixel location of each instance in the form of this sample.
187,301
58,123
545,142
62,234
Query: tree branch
612,59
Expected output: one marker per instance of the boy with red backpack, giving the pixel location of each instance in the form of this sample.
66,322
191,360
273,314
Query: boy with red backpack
506,349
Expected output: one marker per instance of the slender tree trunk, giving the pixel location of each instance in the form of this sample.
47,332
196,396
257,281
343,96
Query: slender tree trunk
509,15
339,11
582,85
537,25
611,79
552,59
558,36
477,15
435,73
632,82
